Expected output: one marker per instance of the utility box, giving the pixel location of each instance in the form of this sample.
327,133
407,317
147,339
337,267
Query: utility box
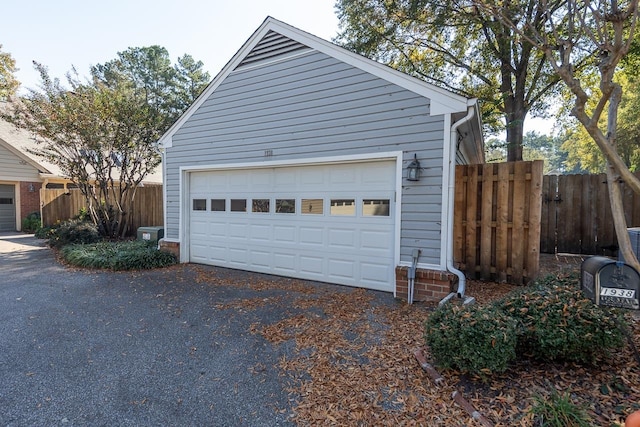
634,236
611,283
150,234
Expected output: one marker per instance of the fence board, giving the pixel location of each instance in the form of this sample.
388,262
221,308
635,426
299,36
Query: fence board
486,219
499,243
61,205
534,219
471,247
584,224
502,223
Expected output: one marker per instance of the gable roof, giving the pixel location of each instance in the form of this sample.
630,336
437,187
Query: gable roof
20,142
274,34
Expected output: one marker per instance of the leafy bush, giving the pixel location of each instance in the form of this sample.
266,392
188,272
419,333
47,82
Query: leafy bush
126,255
556,322
550,320
474,339
31,223
43,232
73,231
558,411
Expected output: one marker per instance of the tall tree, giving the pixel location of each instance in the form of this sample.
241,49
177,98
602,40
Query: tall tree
168,89
463,48
601,31
103,133
8,82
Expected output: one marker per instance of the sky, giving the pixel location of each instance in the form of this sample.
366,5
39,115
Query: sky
63,34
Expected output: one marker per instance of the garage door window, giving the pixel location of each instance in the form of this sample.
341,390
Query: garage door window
285,205
343,207
199,204
312,206
260,205
218,205
238,205
375,207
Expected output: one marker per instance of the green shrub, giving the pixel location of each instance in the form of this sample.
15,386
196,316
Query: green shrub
43,232
127,255
73,231
474,339
556,322
550,320
31,223
558,411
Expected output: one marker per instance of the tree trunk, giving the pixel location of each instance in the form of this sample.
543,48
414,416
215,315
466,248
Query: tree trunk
515,134
619,221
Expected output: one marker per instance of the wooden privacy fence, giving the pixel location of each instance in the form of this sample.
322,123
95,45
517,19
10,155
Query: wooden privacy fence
61,205
576,214
497,220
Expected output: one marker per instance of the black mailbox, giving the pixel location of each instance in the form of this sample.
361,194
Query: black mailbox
611,283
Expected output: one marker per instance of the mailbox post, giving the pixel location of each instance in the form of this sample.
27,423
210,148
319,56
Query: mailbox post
611,283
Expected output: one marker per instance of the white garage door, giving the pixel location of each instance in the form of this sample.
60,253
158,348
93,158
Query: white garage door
332,223
7,208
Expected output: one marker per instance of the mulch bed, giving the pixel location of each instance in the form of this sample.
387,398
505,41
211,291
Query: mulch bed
354,365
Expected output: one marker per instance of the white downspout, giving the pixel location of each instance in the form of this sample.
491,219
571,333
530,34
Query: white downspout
462,280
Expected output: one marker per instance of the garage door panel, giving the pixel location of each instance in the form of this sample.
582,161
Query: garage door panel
238,231
376,239
374,273
260,233
218,254
238,256
312,236
284,233
260,258
355,249
284,262
341,268
342,238
311,264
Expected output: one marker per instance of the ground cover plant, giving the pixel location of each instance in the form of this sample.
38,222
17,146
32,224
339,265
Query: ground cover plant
117,255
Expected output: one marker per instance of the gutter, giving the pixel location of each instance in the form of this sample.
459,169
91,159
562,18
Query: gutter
462,280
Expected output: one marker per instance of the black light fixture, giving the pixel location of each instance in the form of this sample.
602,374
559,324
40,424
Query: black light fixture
413,170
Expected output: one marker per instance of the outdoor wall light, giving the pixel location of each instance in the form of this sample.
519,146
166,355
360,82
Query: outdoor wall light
32,188
413,170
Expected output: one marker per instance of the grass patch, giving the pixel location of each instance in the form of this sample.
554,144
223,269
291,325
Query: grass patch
557,410
127,255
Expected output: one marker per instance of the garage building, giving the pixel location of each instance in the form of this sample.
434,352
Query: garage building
299,160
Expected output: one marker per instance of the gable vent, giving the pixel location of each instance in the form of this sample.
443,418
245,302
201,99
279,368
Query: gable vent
271,46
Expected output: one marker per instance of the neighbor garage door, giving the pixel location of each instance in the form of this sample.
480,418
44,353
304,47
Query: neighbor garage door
7,208
333,223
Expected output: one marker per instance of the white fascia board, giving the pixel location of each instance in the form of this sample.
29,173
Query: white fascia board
441,101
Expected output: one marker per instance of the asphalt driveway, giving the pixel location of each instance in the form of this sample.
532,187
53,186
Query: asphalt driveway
81,347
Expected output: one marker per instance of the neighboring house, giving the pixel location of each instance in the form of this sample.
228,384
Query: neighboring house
294,162
23,174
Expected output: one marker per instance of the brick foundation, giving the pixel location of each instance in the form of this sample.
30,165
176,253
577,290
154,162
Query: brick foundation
429,285
171,247
29,200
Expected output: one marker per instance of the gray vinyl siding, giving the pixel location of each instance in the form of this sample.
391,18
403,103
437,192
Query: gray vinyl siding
13,168
312,105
